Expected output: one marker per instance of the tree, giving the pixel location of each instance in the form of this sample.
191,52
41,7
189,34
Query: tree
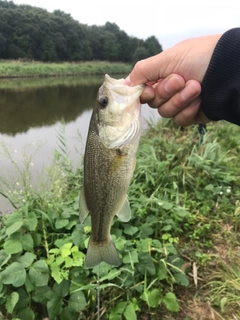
3,42
37,34
110,47
139,54
111,27
48,50
124,53
7,4
153,46
62,14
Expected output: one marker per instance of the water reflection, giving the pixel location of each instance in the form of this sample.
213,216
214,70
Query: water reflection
25,108
30,111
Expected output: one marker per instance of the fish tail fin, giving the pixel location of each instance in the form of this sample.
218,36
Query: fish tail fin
106,252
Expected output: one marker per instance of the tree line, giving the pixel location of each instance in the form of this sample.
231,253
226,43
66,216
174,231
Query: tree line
34,33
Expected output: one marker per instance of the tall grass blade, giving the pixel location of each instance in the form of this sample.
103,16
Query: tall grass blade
98,297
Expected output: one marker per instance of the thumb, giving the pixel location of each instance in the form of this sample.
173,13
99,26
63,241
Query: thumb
148,70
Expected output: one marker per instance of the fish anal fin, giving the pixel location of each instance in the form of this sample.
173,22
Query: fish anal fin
98,253
125,212
83,210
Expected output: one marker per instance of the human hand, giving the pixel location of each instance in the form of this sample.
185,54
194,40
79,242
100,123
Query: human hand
176,99
174,78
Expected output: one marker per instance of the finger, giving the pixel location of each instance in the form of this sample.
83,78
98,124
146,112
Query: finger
147,70
201,118
192,114
188,115
180,100
147,95
166,89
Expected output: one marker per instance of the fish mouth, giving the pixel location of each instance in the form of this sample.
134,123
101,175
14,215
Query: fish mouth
123,93
126,112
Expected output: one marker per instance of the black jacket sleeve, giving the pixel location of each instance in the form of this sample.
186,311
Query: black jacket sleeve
221,83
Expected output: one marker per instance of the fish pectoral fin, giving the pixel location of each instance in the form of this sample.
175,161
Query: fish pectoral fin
83,210
125,212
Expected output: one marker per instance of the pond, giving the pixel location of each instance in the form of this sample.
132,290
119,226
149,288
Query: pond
31,113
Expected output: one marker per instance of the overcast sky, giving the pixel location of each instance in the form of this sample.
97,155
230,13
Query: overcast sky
170,21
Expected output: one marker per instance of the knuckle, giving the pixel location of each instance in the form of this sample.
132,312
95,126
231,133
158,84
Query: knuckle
154,104
139,66
164,111
161,93
179,101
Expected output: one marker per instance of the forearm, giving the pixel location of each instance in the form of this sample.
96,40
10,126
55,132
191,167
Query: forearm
221,83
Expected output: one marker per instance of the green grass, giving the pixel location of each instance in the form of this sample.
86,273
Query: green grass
36,82
180,251
41,69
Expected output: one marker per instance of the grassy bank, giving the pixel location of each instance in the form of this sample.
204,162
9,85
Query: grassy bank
180,251
41,69
21,83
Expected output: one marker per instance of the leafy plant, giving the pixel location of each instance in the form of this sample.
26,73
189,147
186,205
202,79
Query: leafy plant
176,196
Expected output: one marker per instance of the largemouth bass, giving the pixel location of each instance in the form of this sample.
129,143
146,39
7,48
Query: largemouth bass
109,162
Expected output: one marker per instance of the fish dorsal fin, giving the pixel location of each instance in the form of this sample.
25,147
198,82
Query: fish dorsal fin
125,212
83,210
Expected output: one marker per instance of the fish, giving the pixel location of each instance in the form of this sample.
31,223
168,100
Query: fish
109,163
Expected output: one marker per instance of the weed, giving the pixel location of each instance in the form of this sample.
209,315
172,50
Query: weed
224,285
180,209
35,68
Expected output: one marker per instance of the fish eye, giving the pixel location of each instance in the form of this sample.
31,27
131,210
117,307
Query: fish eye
103,100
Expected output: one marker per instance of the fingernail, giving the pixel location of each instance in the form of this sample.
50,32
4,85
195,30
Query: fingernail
147,95
170,86
189,92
